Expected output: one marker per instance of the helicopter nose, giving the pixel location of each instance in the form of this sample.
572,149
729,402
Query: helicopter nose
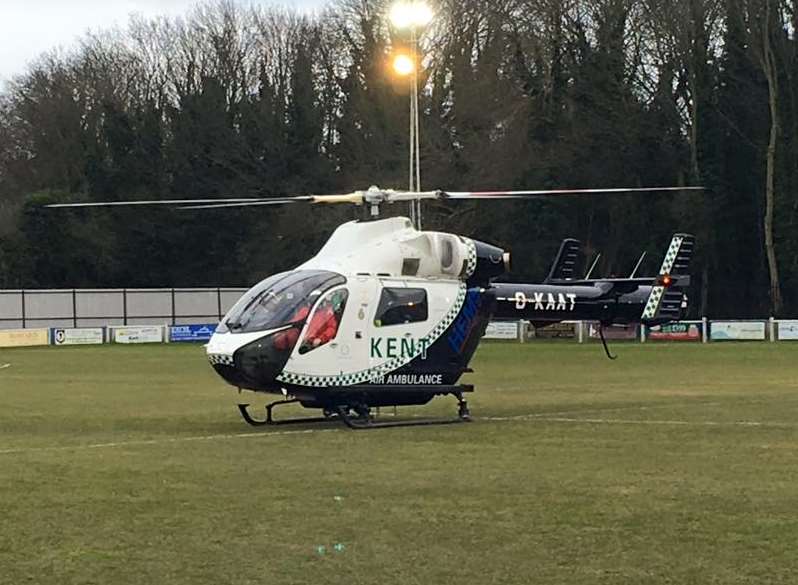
221,355
224,365
252,361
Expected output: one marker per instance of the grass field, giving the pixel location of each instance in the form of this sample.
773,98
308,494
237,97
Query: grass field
671,465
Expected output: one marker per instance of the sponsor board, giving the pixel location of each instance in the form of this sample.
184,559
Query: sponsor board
94,336
556,331
618,332
501,330
24,337
181,333
737,330
788,330
675,332
146,334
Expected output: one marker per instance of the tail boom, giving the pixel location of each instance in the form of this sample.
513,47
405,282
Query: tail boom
619,302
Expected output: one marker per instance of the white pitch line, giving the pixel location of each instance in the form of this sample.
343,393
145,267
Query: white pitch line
593,411
619,421
140,442
4,366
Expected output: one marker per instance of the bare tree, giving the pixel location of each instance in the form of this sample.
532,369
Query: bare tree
763,20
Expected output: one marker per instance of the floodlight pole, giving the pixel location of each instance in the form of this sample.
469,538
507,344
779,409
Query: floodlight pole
412,15
414,142
416,122
412,136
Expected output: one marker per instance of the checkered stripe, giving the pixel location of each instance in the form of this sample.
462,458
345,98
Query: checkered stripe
353,378
670,257
652,305
220,359
471,261
653,302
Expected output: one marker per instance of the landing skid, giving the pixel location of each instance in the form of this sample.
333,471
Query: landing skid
269,420
356,414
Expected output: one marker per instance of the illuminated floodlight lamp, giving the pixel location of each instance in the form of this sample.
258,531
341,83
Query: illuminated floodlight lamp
403,65
411,14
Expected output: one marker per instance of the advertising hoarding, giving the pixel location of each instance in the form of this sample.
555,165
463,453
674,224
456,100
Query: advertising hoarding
501,330
737,331
556,331
195,333
788,330
93,336
24,337
617,332
143,334
675,332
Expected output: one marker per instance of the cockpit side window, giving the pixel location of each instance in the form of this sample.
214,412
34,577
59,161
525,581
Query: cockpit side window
283,299
325,320
401,305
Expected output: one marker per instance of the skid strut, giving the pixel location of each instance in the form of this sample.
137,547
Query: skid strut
362,418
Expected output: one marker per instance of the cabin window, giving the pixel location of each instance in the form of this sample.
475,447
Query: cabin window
283,299
401,305
323,324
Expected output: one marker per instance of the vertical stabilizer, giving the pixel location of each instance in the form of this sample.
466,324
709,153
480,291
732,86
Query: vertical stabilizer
565,262
665,301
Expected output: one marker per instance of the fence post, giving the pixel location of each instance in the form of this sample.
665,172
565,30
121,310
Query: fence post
642,333
704,331
23,308
580,331
74,308
772,324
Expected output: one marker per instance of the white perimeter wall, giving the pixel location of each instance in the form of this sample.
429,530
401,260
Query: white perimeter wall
98,308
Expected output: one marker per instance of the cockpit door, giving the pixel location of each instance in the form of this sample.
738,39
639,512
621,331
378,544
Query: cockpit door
347,352
356,326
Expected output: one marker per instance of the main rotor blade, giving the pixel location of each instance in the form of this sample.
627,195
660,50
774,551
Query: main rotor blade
539,193
151,202
353,198
256,203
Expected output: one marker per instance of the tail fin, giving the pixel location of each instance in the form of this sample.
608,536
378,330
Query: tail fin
564,265
680,252
666,298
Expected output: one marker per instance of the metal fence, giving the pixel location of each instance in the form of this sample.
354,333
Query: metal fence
26,309
91,308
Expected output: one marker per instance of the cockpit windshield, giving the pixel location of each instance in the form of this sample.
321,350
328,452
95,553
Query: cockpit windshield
282,299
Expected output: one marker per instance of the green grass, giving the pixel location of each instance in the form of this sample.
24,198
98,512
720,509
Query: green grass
674,464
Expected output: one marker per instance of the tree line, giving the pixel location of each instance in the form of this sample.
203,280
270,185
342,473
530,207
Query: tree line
234,101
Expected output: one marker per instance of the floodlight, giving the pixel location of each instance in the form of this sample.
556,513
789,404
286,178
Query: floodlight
411,14
403,65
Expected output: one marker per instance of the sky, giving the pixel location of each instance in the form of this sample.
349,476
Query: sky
29,28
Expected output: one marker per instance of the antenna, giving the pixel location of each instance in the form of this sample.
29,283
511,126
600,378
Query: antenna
592,266
639,262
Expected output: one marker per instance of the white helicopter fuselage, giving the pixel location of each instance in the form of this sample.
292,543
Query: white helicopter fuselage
401,289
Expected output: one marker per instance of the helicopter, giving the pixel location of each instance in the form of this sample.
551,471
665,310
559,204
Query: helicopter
388,315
